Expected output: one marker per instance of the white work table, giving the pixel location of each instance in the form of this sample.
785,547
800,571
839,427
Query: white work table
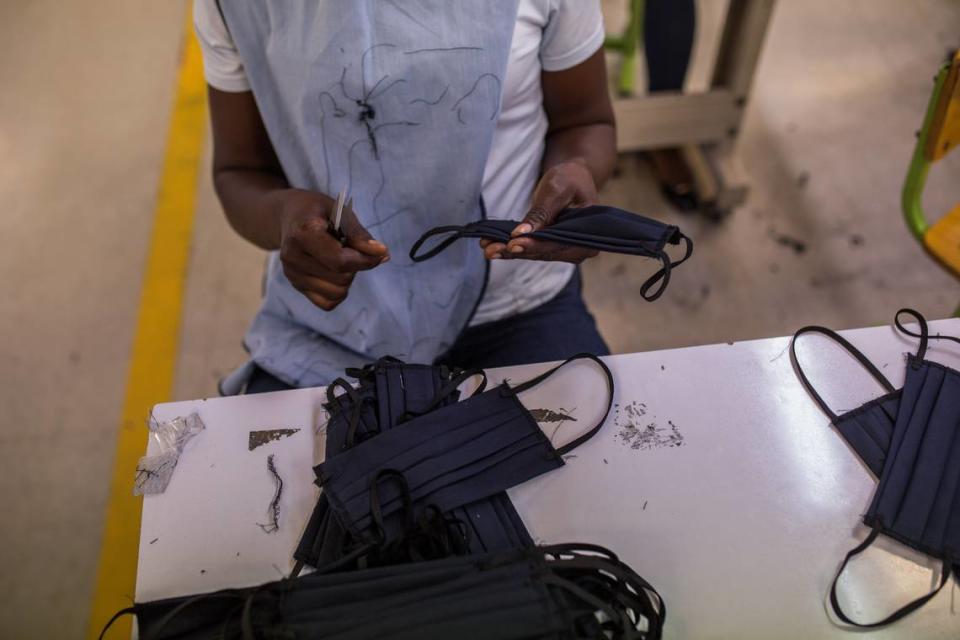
737,505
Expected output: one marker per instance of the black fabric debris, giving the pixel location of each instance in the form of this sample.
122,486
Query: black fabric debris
273,525
262,437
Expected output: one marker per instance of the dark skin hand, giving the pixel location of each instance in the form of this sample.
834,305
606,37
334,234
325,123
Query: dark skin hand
262,207
579,158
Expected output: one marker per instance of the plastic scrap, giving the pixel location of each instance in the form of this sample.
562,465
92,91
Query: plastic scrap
154,472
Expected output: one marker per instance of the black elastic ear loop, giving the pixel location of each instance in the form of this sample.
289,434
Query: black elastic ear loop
376,511
575,590
578,549
924,330
246,618
445,391
363,373
849,348
166,619
355,410
440,246
905,610
624,585
924,334
529,384
119,614
663,275
339,563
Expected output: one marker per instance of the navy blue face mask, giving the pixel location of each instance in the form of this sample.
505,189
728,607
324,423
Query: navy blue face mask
595,227
391,392
445,459
917,500
868,429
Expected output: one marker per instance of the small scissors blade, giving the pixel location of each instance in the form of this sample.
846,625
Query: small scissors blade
338,213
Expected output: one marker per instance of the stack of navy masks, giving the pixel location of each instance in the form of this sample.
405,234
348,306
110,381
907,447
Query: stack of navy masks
595,227
561,591
389,393
910,440
434,485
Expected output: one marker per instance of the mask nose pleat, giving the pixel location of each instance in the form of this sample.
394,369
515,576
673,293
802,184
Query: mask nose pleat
479,450
868,433
905,487
426,442
383,390
946,413
431,481
486,477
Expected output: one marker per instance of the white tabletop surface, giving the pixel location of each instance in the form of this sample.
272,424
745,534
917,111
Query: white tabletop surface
738,505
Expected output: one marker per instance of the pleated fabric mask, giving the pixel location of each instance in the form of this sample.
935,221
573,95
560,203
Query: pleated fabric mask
910,439
442,460
391,392
596,227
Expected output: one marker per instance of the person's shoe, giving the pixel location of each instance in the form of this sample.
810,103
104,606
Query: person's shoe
676,181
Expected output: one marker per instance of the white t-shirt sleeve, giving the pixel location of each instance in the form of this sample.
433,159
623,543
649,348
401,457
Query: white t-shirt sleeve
573,33
222,66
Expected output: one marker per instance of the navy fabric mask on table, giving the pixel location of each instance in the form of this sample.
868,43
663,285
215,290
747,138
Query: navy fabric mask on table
388,390
442,460
391,392
595,227
917,500
868,429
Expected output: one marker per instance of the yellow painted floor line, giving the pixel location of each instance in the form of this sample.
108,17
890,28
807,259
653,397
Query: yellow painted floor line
153,357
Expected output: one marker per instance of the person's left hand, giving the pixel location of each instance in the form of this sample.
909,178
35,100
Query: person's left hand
567,184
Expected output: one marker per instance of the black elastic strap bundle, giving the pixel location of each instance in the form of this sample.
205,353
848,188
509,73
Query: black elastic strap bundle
536,592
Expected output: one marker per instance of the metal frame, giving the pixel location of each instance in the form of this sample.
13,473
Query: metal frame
912,196
705,125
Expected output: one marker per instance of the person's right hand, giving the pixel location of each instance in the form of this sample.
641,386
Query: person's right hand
313,260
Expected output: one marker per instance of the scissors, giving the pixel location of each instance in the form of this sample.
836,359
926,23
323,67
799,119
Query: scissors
334,227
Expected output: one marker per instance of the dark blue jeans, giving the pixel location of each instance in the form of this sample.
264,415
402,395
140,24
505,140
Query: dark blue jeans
557,329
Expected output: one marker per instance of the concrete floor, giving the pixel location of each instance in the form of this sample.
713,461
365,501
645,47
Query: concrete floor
83,116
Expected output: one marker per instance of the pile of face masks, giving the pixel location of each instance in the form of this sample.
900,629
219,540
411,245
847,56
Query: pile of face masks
909,438
596,227
389,393
564,591
414,535
419,486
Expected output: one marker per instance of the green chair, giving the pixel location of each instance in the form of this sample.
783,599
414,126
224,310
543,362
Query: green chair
628,46
939,135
